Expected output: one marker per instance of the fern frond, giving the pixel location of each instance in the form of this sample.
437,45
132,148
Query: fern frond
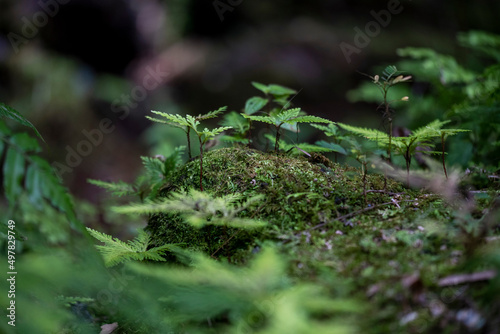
199,208
308,119
155,168
388,72
115,251
119,188
211,114
284,116
264,119
372,134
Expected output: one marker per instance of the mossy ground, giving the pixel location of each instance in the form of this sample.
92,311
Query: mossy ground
389,250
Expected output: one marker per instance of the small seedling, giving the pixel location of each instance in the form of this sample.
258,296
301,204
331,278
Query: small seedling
191,123
185,123
290,117
390,77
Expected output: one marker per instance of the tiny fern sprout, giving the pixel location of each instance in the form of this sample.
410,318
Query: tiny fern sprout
282,117
203,137
189,123
390,77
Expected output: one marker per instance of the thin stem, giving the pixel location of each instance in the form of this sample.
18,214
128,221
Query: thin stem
442,155
365,170
408,162
189,142
201,162
276,144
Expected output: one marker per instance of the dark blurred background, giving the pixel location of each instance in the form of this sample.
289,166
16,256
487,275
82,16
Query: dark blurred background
88,71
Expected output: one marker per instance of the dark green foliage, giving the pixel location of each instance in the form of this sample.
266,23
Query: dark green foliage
276,244
462,92
26,174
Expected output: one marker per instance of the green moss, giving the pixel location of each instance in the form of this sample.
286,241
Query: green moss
299,194
317,215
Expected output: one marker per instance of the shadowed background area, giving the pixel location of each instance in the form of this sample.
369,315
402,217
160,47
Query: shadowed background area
88,71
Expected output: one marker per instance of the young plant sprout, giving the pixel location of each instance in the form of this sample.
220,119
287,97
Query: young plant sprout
191,123
290,116
390,77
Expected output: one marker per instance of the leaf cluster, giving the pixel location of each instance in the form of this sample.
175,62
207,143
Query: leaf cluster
464,92
30,177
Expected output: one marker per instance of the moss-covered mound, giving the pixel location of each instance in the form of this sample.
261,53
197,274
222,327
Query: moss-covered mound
299,194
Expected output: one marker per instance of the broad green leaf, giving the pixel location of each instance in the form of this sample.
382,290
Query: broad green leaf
280,90
34,186
55,192
263,88
255,104
4,129
6,111
13,173
2,146
25,142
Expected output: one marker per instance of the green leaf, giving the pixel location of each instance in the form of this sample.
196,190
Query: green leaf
280,90
25,142
8,112
34,186
255,104
263,88
13,172
54,192
273,89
